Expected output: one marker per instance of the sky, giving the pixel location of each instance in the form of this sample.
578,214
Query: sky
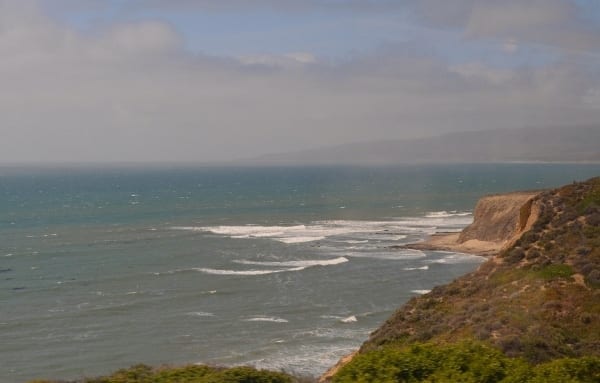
217,80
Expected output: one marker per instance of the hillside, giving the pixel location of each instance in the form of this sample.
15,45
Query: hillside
558,144
499,220
538,300
530,314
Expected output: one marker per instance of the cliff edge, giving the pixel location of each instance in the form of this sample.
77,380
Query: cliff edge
498,221
536,300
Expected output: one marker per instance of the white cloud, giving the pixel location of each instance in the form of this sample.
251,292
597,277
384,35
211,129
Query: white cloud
131,92
281,60
479,71
556,23
510,46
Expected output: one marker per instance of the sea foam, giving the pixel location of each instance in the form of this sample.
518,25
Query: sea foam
266,319
306,263
388,255
416,268
455,258
350,319
446,214
359,231
420,291
244,272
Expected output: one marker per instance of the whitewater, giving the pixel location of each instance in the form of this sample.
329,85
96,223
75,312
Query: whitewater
282,268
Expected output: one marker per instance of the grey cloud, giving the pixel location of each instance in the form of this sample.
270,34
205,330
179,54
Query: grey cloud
556,23
280,5
239,5
132,93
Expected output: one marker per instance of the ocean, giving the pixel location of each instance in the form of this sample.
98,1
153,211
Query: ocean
281,268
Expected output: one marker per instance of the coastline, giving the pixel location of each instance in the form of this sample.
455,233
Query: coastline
440,241
512,212
498,221
445,241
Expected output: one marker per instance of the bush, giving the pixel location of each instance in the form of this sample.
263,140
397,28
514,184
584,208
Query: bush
555,271
462,362
191,374
467,362
515,255
568,370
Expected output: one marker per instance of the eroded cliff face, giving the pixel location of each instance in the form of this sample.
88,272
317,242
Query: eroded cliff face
501,219
538,298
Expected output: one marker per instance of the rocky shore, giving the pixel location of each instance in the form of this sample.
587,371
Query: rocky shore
499,221
534,304
535,301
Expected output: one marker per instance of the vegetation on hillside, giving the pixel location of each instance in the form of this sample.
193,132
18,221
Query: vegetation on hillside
531,314
188,374
465,362
539,299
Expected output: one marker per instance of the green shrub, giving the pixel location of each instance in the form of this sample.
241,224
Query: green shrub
250,375
466,362
568,370
555,271
463,362
190,374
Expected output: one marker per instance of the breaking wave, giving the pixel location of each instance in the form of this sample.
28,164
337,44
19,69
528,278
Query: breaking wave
447,214
307,263
416,268
454,258
266,319
244,272
348,231
420,291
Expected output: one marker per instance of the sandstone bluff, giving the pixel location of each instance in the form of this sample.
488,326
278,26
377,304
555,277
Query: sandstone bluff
537,298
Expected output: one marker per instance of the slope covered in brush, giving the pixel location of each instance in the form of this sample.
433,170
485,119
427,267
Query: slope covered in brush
538,300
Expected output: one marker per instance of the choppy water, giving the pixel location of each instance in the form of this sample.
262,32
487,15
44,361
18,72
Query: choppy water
279,268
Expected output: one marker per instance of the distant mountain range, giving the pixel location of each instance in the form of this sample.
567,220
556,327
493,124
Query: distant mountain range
556,144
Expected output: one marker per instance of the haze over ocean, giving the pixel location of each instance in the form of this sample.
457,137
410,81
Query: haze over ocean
274,267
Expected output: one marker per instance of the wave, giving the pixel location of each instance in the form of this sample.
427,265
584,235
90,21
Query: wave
266,319
420,291
455,258
245,230
299,239
350,319
447,214
200,314
416,268
244,272
305,264
320,230
391,255
285,266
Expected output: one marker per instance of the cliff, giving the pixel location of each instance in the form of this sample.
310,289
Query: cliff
538,299
498,221
501,219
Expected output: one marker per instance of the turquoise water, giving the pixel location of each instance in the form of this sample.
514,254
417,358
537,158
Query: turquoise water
274,267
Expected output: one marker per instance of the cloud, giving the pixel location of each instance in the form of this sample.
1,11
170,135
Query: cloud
284,60
510,46
557,23
287,6
131,92
277,5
